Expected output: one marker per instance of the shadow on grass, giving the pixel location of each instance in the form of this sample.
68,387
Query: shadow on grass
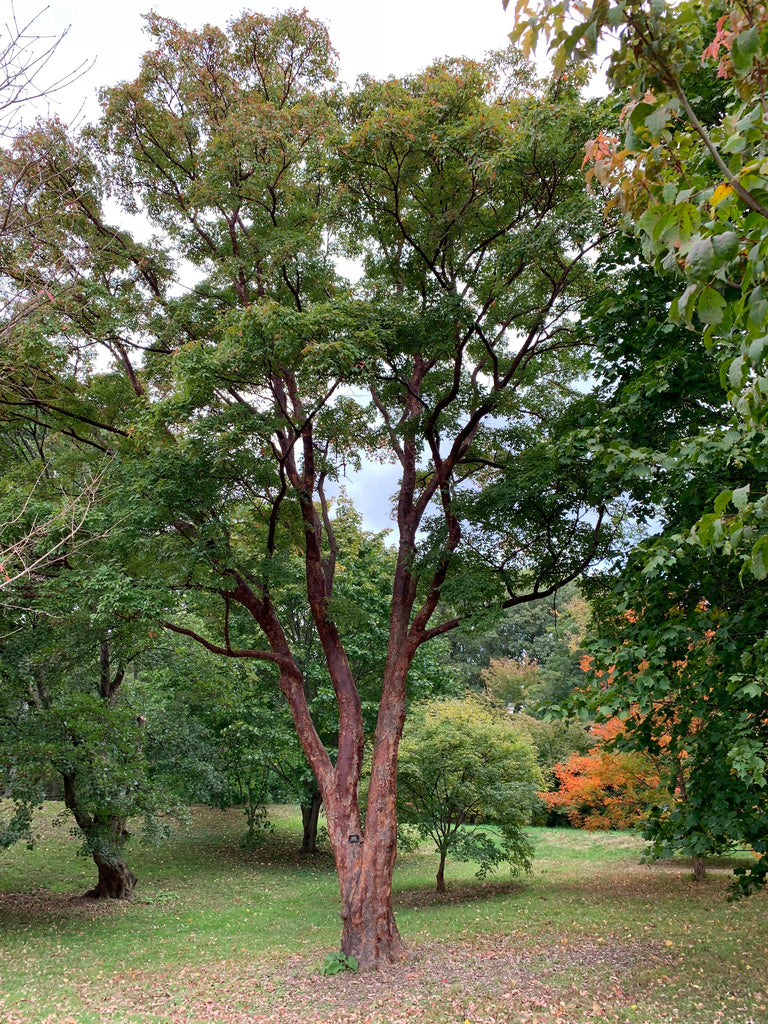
39,905
459,892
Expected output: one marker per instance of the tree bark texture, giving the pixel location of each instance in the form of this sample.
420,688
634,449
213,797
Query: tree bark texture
365,869
116,880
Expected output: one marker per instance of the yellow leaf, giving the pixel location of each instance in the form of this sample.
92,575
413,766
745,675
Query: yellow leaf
721,192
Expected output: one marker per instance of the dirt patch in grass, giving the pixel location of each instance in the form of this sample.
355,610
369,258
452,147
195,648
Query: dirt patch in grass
469,892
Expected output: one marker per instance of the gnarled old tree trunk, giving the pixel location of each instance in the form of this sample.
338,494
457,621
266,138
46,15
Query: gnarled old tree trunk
105,837
116,880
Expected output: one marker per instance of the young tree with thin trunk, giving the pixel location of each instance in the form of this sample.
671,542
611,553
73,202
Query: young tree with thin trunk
469,782
251,391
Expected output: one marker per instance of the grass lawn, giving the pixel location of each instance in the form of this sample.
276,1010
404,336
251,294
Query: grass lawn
217,933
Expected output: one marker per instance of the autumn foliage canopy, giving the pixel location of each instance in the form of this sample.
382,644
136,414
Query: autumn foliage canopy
605,788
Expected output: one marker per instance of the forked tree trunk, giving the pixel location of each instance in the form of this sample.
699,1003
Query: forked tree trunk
365,864
309,816
369,932
116,880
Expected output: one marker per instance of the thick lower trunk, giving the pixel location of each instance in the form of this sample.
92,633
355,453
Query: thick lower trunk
310,813
366,863
116,880
699,868
104,833
369,933
365,859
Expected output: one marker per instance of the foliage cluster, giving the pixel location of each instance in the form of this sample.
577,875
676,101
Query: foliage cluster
606,788
684,631
467,781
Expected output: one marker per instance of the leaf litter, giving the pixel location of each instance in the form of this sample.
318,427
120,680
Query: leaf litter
485,981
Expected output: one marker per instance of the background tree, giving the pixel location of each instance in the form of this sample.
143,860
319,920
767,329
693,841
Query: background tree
67,725
25,53
690,665
546,632
554,741
606,788
508,682
467,781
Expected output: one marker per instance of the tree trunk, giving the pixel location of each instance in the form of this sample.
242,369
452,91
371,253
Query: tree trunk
309,816
699,868
116,880
369,930
441,873
365,864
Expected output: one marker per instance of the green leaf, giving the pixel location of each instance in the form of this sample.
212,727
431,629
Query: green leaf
725,245
736,373
711,306
757,348
741,497
734,144
681,306
657,121
758,311
759,559
721,502
743,50
633,142
640,112
700,260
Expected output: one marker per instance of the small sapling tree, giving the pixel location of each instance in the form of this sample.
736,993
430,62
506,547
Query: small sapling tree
469,782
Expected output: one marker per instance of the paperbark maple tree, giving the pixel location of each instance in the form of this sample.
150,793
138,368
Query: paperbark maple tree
232,405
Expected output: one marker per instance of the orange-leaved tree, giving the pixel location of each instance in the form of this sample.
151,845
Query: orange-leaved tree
606,787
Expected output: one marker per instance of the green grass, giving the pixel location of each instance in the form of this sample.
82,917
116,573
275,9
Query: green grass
223,934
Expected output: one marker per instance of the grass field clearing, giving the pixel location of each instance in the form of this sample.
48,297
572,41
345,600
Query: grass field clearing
217,933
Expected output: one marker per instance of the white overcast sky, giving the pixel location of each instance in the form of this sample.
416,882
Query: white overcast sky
395,37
